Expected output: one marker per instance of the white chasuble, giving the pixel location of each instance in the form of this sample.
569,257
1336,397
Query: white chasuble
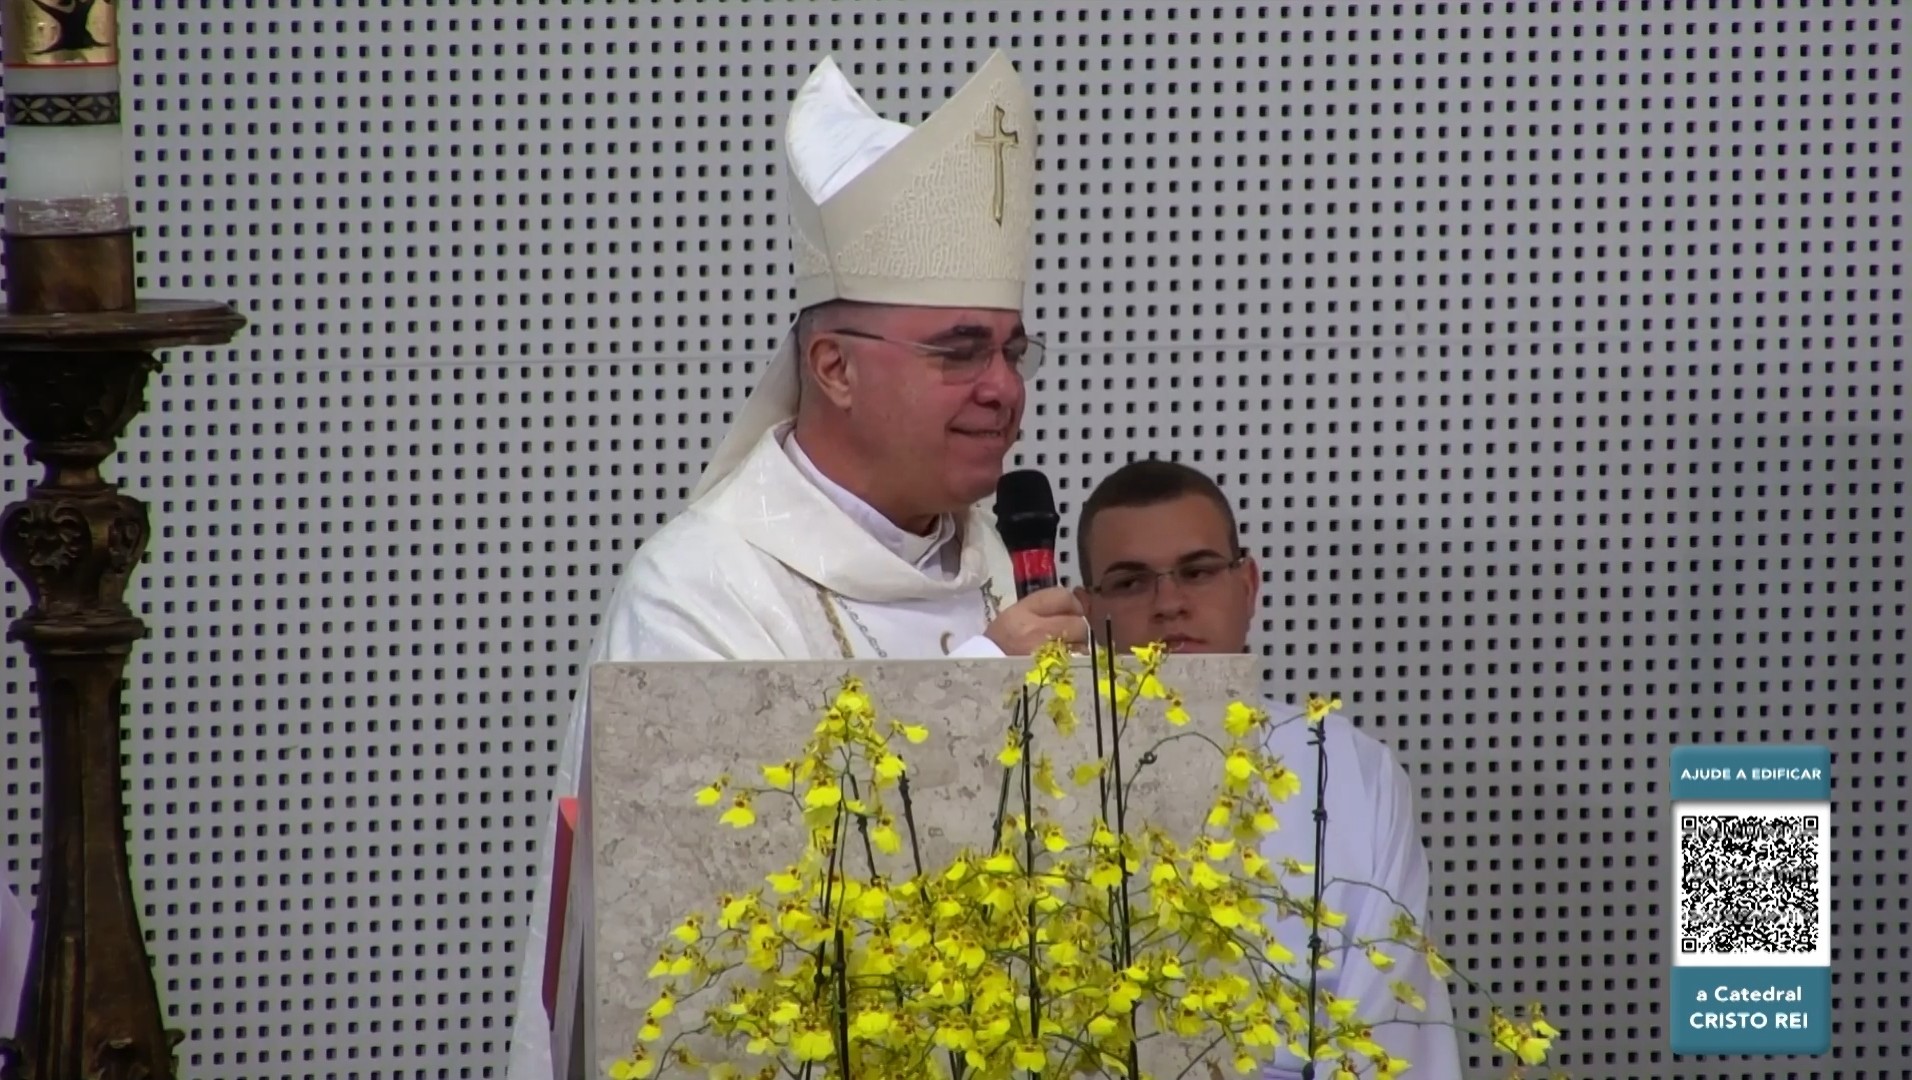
765,567
771,565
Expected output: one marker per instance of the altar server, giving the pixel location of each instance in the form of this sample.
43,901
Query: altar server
840,516
1161,561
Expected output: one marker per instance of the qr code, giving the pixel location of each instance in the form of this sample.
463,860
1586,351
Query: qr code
1749,883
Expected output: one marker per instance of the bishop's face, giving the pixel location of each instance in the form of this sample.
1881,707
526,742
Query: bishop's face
937,402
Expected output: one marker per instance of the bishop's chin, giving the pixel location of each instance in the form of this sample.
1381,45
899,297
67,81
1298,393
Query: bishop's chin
974,486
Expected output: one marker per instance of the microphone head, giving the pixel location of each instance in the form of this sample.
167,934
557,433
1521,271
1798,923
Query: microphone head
1026,510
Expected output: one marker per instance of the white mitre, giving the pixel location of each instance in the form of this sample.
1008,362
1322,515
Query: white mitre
939,215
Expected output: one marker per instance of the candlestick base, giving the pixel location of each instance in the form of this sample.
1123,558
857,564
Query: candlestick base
71,383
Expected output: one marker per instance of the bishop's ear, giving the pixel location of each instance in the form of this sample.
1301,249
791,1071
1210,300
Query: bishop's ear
827,369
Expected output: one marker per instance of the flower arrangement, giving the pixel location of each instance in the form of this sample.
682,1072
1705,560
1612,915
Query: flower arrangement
1042,951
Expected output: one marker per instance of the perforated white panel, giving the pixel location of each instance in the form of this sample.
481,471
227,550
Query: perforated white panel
1554,352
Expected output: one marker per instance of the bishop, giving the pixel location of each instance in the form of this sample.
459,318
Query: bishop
841,516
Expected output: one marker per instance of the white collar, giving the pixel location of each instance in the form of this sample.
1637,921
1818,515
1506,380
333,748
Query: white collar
936,552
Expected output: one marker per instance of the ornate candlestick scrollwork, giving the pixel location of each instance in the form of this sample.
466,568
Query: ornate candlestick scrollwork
71,384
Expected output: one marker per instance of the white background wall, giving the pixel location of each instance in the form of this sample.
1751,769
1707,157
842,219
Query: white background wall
1554,352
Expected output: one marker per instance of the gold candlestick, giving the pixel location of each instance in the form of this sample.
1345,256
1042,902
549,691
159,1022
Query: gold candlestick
76,347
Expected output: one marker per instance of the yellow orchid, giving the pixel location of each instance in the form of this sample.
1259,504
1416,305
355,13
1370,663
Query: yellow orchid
741,814
1240,719
1052,948
1318,708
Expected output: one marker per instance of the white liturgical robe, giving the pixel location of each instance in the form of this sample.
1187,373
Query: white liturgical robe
1373,848
780,563
771,560
776,563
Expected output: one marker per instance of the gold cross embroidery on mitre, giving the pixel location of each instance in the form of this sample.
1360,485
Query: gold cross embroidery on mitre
999,140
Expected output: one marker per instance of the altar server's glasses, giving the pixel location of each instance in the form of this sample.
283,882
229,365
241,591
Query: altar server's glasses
966,362
1136,584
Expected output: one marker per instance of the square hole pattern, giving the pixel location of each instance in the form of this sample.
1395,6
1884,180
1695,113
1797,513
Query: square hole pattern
1552,351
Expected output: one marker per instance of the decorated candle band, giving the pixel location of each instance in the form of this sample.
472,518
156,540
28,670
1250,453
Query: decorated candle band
66,151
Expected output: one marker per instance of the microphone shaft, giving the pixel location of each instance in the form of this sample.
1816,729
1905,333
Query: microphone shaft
1035,570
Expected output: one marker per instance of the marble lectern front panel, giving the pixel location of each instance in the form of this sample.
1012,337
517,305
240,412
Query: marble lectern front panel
661,731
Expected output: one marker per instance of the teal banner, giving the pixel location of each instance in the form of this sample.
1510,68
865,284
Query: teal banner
1752,774
1752,928
1751,1010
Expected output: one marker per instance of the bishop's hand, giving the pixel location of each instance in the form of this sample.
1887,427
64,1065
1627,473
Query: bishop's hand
1039,618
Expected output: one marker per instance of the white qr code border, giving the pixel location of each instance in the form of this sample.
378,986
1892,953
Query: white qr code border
1821,956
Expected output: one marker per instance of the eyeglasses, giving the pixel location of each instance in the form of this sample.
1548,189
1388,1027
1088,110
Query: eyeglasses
966,362
1196,574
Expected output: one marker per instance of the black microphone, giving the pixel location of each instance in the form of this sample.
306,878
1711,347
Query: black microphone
1027,519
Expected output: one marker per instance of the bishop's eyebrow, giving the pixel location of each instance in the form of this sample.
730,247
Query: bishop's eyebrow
972,332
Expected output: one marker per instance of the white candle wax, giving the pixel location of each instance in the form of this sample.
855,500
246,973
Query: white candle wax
67,159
